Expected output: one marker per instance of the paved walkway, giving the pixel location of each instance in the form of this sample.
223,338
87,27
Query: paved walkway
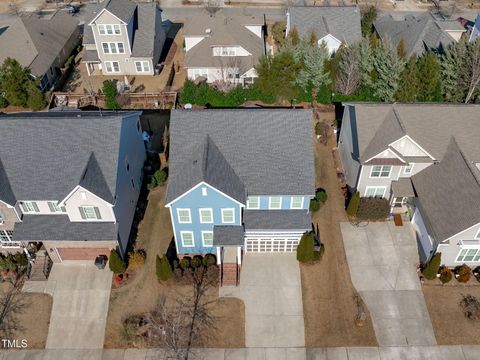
80,305
382,259
272,292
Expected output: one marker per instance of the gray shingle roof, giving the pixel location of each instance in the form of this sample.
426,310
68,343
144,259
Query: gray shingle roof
449,194
59,227
207,164
45,154
36,42
420,33
228,235
277,220
270,150
403,188
149,37
343,22
225,30
123,9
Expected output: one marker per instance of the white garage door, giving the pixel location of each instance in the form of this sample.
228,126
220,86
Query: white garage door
272,242
422,234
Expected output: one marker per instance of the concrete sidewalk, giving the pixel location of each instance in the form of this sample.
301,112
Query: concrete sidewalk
271,288
382,259
339,353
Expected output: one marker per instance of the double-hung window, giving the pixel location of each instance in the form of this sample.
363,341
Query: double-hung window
382,171
253,202
187,239
206,216
90,213
2,218
112,66
30,207
275,202
373,191
207,238
54,208
108,29
142,66
228,216
468,255
297,202
113,48
184,216
408,169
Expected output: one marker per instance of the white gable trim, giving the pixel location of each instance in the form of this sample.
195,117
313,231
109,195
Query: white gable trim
330,36
101,12
461,232
203,183
392,152
415,143
8,205
78,187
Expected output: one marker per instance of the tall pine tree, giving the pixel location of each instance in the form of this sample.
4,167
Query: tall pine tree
409,86
428,69
388,67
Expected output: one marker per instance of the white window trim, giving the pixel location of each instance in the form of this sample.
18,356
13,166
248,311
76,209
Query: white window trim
2,218
113,67
200,215
193,239
375,187
27,211
189,216
406,167
203,238
142,63
258,202
381,170
301,205
83,207
112,45
58,209
477,253
104,26
270,203
223,217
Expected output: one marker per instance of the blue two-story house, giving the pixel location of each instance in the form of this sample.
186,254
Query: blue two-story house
241,181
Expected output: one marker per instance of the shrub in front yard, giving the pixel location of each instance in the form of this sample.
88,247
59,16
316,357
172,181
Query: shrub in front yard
158,179
136,260
209,260
352,207
463,273
305,251
185,263
431,270
163,268
115,262
196,261
314,205
321,196
3,102
373,208
445,275
470,306
111,94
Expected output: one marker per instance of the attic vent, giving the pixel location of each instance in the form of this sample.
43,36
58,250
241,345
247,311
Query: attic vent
208,31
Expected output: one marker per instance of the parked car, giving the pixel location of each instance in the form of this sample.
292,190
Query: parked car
71,9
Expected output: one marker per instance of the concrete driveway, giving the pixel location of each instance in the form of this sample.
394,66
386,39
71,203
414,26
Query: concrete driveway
272,292
382,259
80,305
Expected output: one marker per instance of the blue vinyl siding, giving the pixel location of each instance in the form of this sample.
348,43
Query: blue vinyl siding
195,201
286,201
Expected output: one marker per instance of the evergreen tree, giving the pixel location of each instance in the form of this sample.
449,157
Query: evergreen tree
428,69
293,39
35,98
452,61
115,262
365,61
312,65
409,84
388,66
401,48
163,268
374,40
367,20
313,39
13,82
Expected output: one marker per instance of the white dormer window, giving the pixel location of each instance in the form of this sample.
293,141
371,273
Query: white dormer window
408,169
30,207
90,213
224,51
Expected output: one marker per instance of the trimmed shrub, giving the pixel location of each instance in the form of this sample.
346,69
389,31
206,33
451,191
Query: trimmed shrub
431,270
463,273
314,205
196,262
160,176
305,252
445,275
321,196
136,260
111,94
185,263
115,262
352,207
317,255
373,208
209,260
163,268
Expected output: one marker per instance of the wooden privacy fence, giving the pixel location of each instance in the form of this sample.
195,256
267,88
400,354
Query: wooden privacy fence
162,100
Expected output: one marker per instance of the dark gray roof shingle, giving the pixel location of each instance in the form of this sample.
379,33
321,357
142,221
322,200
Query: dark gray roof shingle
228,235
270,150
449,194
45,154
403,188
343,22
149,37
277,220
60,228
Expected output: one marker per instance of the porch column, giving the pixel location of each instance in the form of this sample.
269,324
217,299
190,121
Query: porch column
219,251
239,255
88,68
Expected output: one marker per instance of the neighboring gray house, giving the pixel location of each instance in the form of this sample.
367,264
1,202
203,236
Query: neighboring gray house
74,182
122,37
42,44
333,25
424,158
420,33
475,34
240,181
223,46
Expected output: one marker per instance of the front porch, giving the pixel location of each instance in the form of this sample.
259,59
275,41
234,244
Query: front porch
401,198
228,241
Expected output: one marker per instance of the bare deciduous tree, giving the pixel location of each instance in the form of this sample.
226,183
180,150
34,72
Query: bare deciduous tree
348,75
229,68
472,70
12,304
470,306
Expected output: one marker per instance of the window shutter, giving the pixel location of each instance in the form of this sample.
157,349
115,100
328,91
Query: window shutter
64,209
50,205
23,207
35,206
97,212
82,213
